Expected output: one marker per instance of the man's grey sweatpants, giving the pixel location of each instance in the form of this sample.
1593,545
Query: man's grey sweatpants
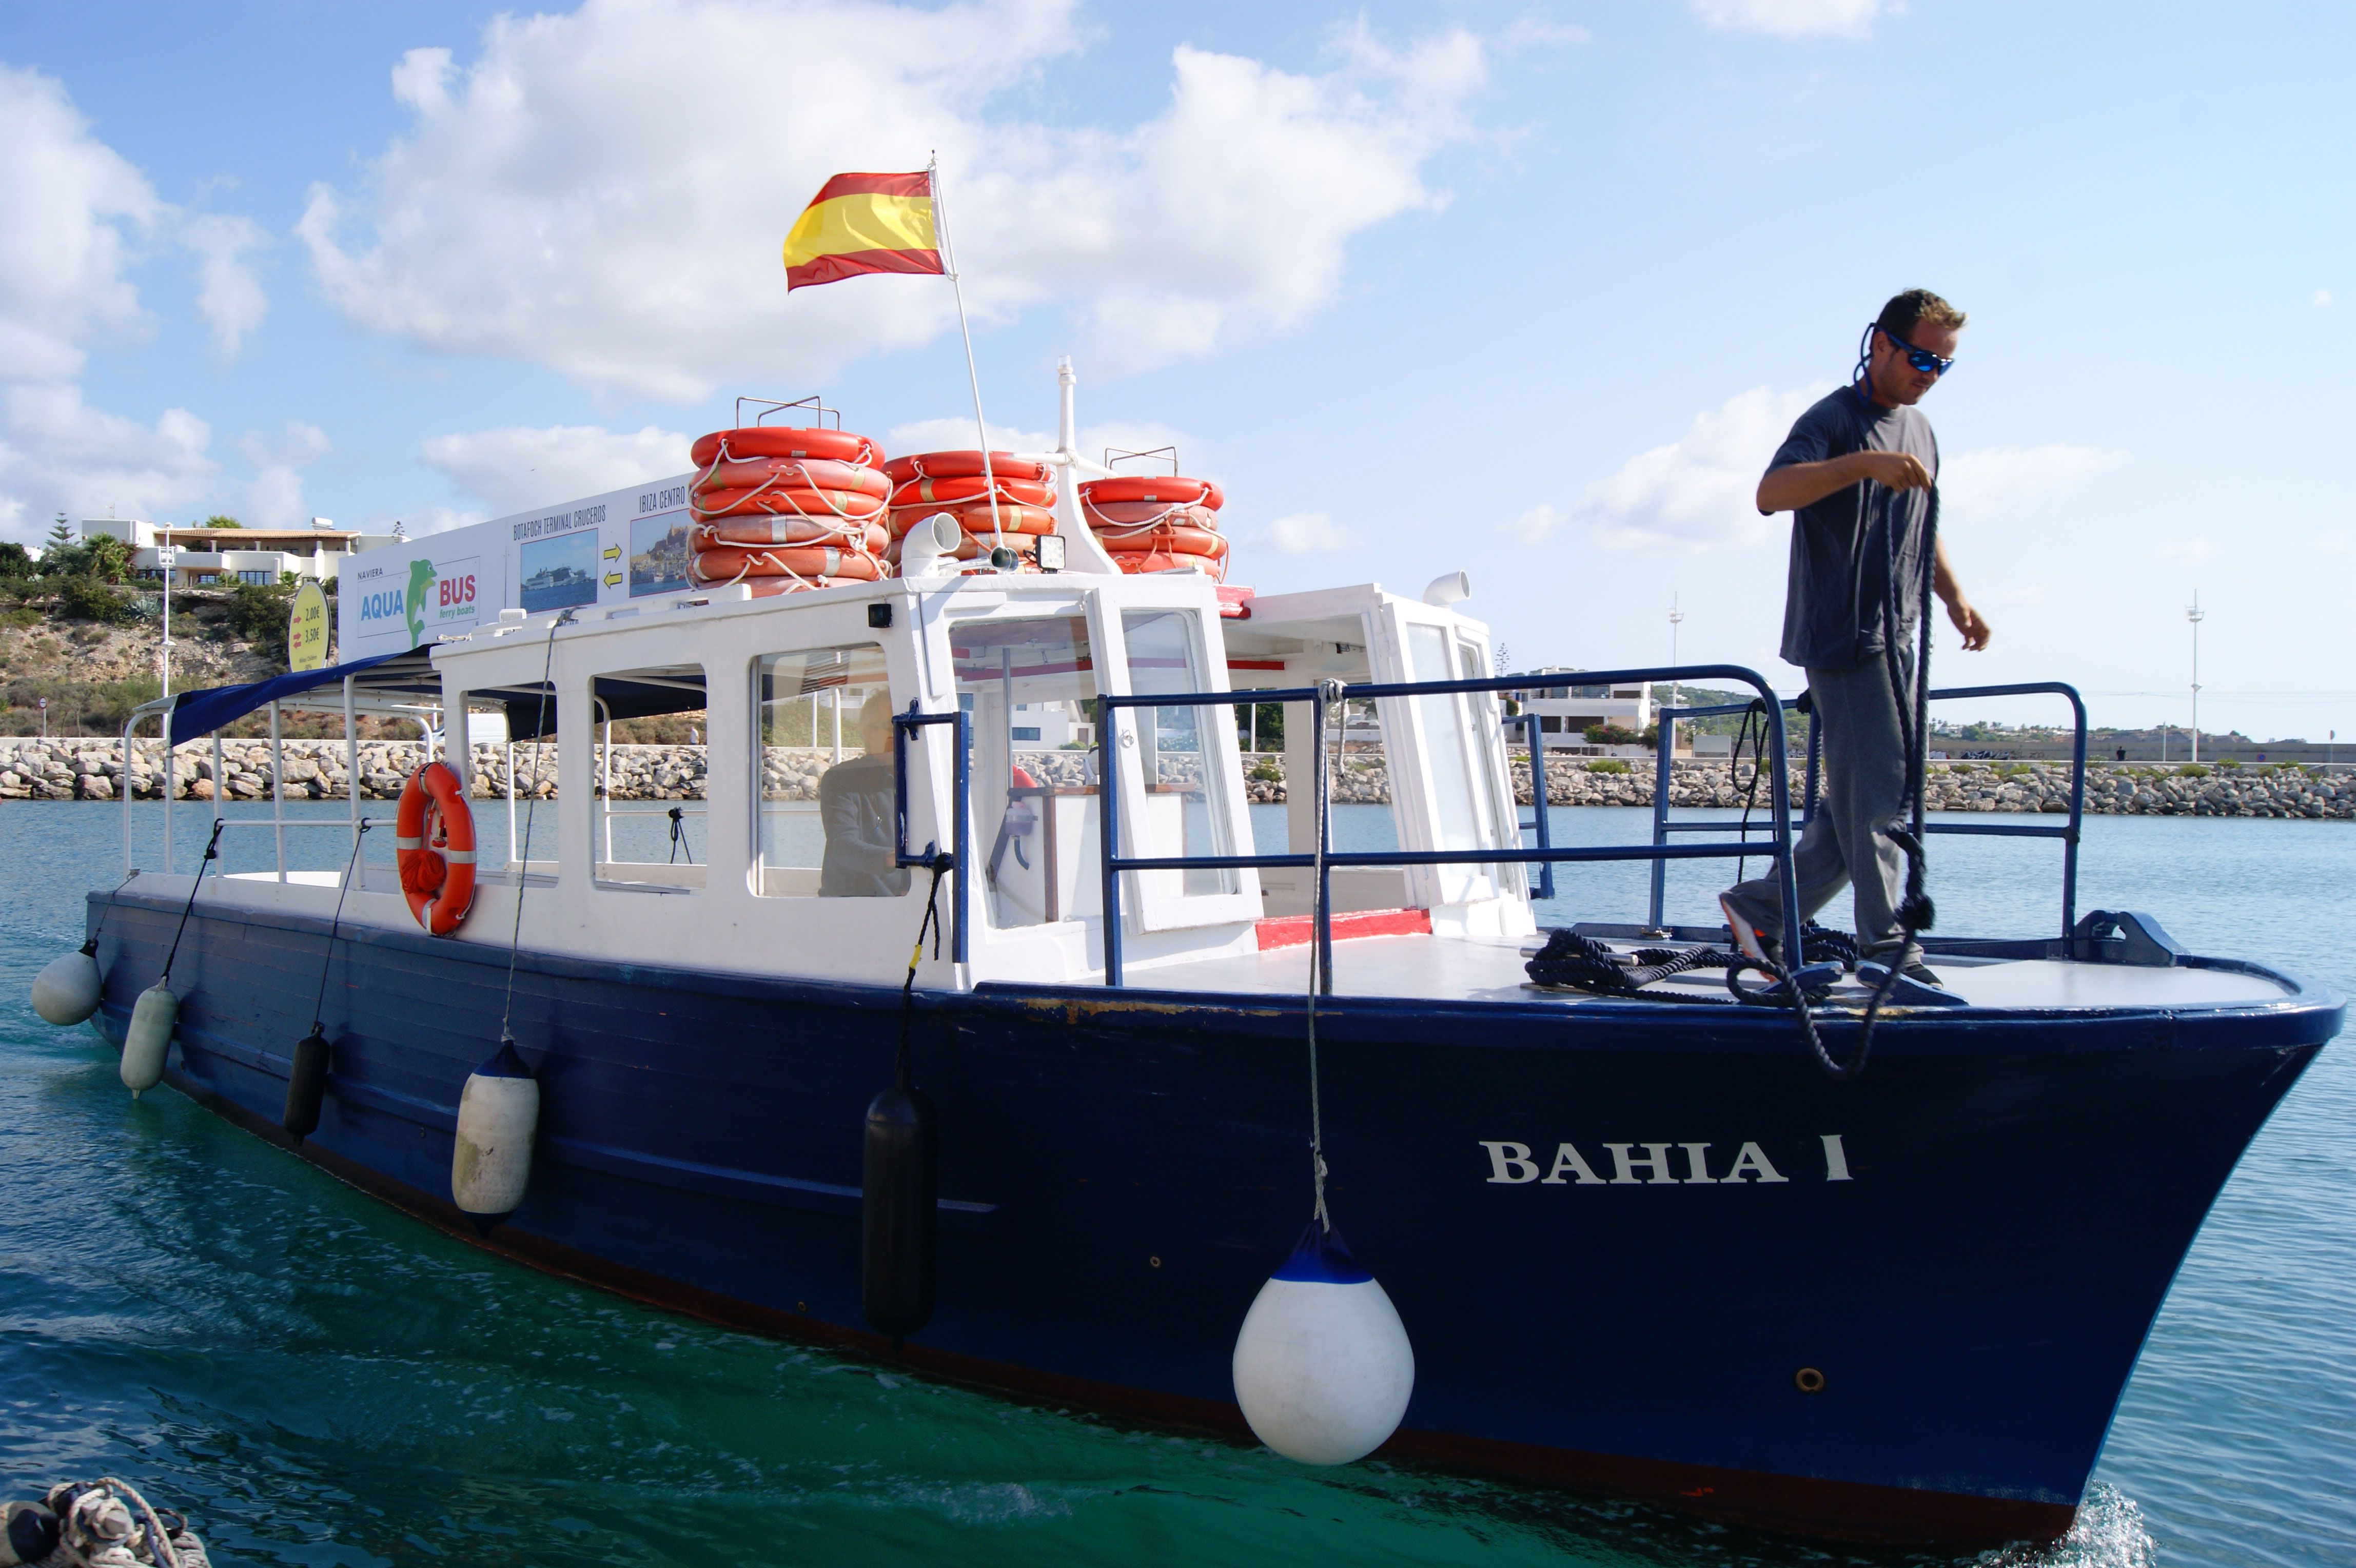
1864,789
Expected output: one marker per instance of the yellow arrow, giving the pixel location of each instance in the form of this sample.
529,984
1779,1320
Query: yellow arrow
613,553
612,579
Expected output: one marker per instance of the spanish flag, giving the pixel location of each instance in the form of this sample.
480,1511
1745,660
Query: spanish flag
865,223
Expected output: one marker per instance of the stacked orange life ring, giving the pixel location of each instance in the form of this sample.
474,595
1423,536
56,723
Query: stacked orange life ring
1157,525
783,510
952,482
434,840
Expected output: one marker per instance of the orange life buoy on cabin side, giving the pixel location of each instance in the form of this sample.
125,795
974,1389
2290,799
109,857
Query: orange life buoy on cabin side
434,838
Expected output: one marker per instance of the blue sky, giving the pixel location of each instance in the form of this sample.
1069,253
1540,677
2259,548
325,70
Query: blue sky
1529,290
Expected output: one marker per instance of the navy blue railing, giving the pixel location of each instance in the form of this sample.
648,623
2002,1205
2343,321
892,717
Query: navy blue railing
903,727
1545,854
2069,835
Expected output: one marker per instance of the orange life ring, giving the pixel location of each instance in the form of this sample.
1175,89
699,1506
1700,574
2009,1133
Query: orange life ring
867,536
726,562
1185,541
770,587
1114,517
1167,561
433,839
1022,493
794,502
974,518
808,473
782,440
966,465
1168,491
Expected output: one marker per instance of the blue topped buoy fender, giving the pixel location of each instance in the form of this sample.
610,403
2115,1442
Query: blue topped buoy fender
1322,1367
499,1111
66,991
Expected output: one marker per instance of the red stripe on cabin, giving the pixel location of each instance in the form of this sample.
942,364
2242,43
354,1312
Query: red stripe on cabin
1254,663
1295,930
916,184
850,263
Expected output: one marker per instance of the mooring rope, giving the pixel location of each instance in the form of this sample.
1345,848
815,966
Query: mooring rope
523,862
1331,691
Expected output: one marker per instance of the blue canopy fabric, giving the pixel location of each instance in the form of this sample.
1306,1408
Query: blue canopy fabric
410,673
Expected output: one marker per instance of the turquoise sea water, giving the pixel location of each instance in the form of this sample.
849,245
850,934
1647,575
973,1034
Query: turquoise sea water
321,1381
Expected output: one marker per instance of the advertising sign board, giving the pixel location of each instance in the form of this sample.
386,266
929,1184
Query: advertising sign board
625,544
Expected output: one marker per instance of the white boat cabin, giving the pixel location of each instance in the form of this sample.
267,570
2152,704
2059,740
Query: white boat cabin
793,870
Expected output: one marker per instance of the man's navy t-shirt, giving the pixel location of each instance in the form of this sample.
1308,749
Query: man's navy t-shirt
1833,604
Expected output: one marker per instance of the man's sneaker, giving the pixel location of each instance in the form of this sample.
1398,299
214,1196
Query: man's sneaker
1753,943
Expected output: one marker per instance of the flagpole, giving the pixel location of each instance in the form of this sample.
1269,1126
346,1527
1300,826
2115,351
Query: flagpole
948,256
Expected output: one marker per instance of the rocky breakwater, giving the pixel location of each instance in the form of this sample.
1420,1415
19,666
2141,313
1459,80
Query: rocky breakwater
91,769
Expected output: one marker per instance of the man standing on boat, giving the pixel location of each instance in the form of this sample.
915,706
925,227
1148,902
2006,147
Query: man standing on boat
1864,451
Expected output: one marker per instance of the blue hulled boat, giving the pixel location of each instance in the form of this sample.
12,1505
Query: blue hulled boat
1639,1247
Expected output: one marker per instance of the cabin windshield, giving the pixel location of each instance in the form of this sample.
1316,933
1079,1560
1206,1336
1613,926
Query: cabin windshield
1029,685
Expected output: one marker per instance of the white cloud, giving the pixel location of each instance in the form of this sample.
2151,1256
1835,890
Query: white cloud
1536,525
516,468
58,455
546,207
274,498
2323,300
77,212
1992,482
2185,551
954,435
1697,493
1791,18
229,296
80,216
1305,533
2337,542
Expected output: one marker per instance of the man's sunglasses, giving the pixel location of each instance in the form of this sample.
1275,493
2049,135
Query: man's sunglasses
1923,359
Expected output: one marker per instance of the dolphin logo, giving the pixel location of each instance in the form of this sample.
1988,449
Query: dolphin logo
421,577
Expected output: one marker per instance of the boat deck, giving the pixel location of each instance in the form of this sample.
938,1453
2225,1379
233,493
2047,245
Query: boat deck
1426,968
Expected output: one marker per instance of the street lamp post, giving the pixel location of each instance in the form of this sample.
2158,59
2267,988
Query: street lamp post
167,557
1676,619
2195,615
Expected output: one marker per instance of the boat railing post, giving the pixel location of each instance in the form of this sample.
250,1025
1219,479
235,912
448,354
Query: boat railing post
1108,829
606,779
1322,924
2077,815
221,779
1666,727
958,946
514,859
352,782
128,726
168,782
1538,795
1780,777
278,790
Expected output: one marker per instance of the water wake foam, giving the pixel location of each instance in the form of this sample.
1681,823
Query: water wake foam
2109,1532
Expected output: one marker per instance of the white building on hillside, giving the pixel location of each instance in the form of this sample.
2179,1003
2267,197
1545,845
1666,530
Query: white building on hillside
223,556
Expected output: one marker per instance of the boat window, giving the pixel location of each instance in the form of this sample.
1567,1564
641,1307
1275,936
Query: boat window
1186,809
827,795
647,765
1462,808
1033,781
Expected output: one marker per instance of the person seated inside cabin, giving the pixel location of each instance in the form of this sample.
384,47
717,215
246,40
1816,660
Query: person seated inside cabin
855,807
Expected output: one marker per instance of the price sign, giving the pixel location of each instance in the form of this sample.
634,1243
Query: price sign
306,630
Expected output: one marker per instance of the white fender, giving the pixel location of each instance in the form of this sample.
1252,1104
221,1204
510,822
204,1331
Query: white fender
66,990
149,1039
491,1167
1323,1368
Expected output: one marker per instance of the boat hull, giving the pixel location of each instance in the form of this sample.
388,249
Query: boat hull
1967,1247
